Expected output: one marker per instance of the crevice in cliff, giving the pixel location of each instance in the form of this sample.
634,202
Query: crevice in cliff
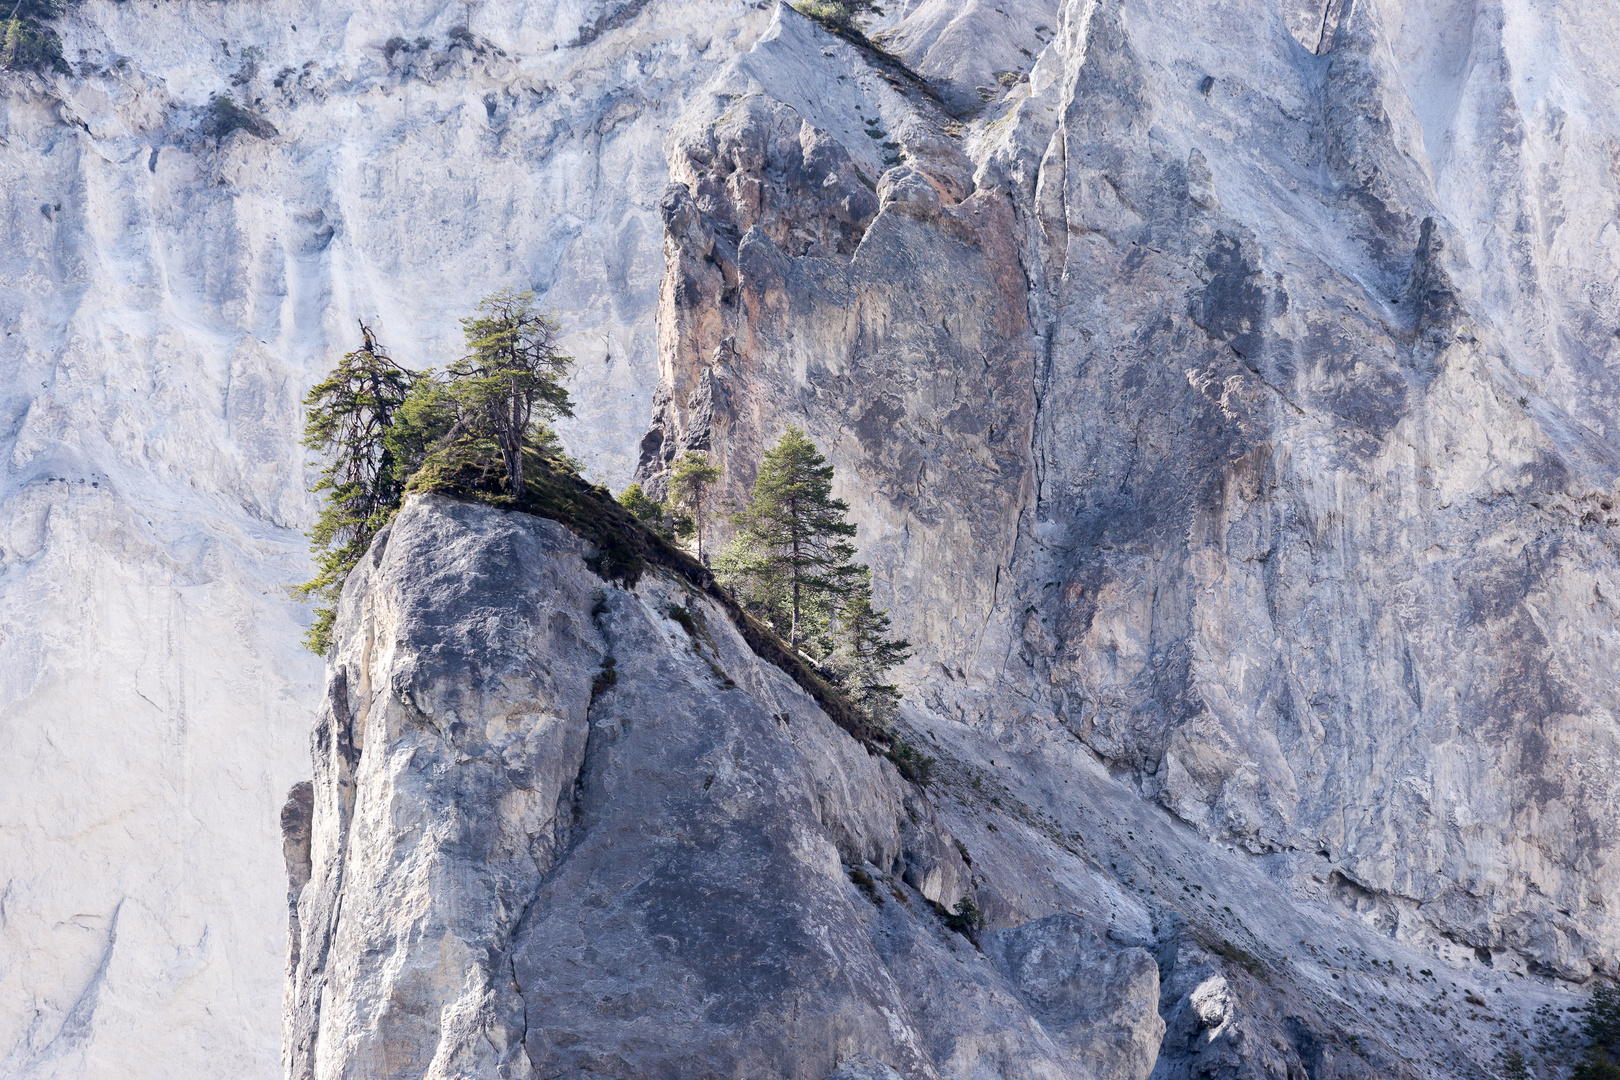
1332,13
297,818
568,827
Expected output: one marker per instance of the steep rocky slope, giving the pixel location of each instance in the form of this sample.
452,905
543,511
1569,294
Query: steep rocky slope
1187,424
1237,414
1225,394
562,828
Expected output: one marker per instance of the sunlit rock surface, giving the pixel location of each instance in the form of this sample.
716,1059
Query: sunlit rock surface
1225,392
564,828
166,298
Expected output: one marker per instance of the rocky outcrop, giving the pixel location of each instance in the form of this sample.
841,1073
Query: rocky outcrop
1225,392
564,828
170,286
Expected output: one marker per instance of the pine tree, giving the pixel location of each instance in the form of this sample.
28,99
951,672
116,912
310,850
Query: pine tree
864,653
349,415
471,429
421,424
1602,1025
510,378
791,559
791,562
27,43
691,485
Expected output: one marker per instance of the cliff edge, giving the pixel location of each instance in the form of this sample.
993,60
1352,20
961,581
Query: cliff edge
563,828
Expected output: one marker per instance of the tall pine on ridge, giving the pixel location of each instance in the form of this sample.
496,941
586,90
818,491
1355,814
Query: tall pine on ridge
348,417
792,564
791,558
511,377
691,485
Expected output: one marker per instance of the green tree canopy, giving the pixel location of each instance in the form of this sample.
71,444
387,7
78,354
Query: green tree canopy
691,486
473,427
863,653
349,416
382,429
791,559
654,514
511,377
26,42
1602,1030
792,564
839,13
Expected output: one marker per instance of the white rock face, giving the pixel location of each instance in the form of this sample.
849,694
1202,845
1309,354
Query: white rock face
1231,402
166,297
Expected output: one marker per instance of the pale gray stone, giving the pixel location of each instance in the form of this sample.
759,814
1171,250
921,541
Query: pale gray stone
559,832
1225,391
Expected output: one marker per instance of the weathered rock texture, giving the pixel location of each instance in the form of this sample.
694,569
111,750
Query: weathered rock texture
1226,394
1242,418
167,295
561,828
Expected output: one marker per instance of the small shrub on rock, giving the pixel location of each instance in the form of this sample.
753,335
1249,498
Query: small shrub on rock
225,116
839,13
966,919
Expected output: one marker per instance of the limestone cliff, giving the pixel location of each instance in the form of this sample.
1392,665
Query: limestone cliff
564,828
169,289
1188,425
1226,393
1204,406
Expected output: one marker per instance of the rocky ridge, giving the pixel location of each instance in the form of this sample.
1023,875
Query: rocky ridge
563,828
1225,401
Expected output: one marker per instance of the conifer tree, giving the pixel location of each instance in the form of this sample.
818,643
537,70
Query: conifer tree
791,558
422,425
791,562
691,486
349,415
511,376
864,653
